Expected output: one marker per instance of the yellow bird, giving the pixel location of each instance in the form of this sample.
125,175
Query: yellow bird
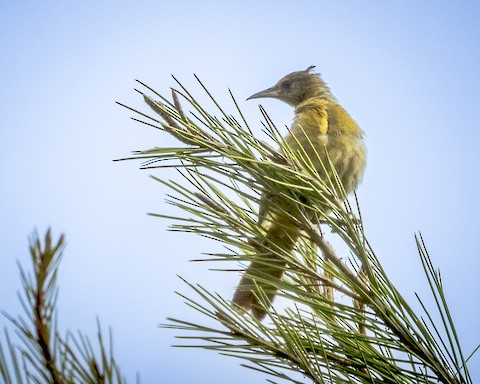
320,126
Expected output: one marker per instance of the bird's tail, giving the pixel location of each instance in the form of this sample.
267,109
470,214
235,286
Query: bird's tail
251,285
259,279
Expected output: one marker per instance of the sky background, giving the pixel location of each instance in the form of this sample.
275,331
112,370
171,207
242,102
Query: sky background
406,71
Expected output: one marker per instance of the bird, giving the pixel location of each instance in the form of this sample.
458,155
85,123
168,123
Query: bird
323,131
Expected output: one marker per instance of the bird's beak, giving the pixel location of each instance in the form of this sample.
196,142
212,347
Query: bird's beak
269,92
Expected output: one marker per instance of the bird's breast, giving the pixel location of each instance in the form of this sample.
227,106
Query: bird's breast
324,133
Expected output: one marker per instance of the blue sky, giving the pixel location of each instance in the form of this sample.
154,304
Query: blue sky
406,71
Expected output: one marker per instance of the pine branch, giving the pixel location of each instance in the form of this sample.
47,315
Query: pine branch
46,357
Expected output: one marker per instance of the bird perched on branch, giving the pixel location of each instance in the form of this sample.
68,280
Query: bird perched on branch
321,126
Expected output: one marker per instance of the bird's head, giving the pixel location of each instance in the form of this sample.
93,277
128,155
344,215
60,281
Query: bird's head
296,87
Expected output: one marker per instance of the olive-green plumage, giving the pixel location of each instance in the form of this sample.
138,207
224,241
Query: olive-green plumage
320,123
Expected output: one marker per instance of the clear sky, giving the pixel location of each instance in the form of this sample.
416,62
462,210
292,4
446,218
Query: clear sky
407,71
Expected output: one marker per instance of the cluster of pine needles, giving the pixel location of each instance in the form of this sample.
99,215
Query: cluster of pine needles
374,336
40,354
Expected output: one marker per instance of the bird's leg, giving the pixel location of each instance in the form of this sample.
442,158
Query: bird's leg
327,289
310,259
359,304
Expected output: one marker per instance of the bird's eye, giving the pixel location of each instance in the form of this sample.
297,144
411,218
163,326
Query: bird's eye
286,85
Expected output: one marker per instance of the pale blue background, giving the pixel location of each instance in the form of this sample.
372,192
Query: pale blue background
408,72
